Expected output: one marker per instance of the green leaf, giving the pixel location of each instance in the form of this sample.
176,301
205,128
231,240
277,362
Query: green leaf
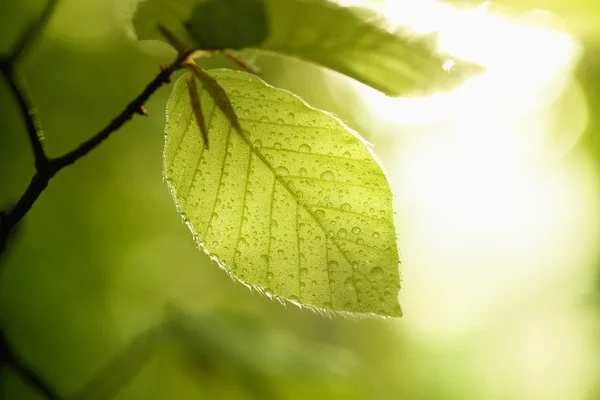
355,42
243,343
235,351
295,204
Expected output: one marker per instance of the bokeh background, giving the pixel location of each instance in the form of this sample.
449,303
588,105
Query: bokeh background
497,209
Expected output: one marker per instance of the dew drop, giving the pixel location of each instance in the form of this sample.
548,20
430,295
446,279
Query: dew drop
376,235
291,115
347,154
342,233
356,230
350,285
264,118
302,172
345,207
277,145
376,272
304,148
282,171
257,144
327,176
332,264
303,271
327,305
319,214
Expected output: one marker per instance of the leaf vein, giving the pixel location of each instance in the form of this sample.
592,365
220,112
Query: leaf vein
212,213
308,178
237,245
270,228
316,154
286,186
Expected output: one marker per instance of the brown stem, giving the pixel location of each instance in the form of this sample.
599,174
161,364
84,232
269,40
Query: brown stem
40,180
34,130
31,33
10,358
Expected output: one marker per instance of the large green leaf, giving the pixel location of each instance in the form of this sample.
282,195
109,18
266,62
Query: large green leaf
355,42
295,204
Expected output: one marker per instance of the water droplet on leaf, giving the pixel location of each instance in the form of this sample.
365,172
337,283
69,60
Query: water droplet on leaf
327,176
376,272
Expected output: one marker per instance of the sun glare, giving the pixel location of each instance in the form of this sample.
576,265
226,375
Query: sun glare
496,208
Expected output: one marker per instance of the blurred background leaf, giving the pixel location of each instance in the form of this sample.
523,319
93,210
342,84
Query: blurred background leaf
356,42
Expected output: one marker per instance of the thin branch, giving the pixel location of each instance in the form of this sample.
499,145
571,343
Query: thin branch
31,33
29,114
11,359
38,183
134,107
40,180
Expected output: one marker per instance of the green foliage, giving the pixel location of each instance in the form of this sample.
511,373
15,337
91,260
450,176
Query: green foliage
229,349
290,201
294,203
216,24
354,42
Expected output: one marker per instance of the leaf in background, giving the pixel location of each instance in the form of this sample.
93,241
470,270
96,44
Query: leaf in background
355,42
228,24
294,204
242,342
227,349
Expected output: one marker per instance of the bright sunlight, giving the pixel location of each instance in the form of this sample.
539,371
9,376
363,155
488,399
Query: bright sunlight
494,201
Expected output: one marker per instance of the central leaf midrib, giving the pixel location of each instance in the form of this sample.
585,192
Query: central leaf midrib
298,201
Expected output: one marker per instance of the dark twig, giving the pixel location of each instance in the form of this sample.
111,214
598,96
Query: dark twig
40,180
29,114
46,168
31,33
134,107
10,358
